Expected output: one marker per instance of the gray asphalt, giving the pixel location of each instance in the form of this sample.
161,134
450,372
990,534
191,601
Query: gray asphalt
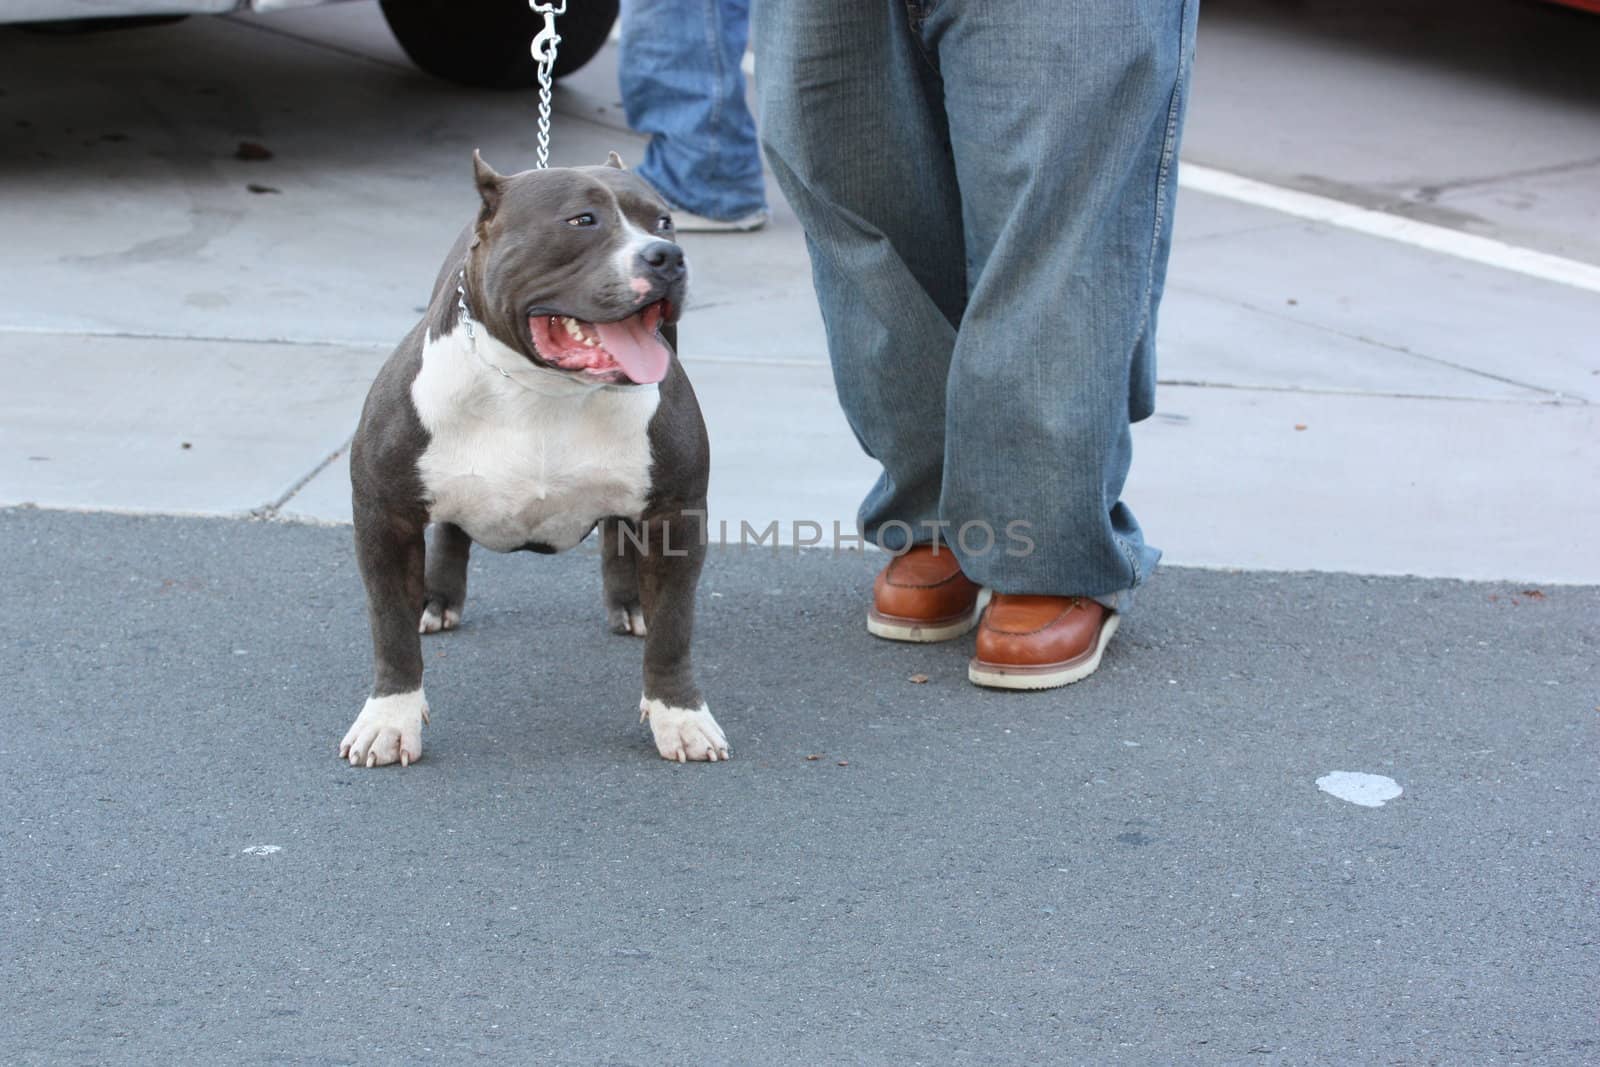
1136,869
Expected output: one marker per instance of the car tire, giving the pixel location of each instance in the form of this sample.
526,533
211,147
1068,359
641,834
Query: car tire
486,43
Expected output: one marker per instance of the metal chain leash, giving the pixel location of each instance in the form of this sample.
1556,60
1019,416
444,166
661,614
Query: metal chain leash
544,53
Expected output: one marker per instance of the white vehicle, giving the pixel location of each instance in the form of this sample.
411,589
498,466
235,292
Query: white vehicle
474,42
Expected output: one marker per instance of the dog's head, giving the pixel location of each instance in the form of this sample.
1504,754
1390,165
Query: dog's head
578,269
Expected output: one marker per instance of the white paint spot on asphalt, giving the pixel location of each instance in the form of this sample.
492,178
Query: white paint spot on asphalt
1368,790
261,850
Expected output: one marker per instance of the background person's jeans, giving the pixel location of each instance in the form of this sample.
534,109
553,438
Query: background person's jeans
987,190
682,85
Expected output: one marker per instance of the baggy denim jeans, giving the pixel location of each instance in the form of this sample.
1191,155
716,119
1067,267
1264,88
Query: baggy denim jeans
987,190
682,85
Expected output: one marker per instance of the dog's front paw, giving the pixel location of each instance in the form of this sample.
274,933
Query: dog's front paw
626,619
684,734
388,730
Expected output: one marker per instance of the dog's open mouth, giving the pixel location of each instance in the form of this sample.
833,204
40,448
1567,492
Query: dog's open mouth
629,350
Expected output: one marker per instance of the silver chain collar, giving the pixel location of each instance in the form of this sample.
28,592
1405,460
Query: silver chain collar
472,335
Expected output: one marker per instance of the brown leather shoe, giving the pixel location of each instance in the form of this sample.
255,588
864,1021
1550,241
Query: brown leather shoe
923,596
1040,642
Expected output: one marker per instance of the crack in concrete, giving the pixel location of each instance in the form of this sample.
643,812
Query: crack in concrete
271,509
139,335
1559,400
1430,192
1554,395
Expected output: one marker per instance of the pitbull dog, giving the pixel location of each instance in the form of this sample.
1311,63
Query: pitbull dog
538,398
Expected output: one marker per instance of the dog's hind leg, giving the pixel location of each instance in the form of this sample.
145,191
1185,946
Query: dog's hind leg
669,571
446,579
619,572
389,549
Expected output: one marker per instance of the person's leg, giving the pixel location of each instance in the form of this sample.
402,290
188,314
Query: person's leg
1065,120
854,131
682,85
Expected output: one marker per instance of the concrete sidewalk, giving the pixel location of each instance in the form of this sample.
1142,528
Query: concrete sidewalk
1140,868
1330,400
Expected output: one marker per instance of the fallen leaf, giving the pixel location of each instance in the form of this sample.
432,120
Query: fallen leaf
1299,425
918,679
255,188
1533,594
813,757
844,763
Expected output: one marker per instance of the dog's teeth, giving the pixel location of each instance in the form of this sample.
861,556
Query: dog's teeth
573,328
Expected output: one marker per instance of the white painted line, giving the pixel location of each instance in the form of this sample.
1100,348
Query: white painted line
1441,239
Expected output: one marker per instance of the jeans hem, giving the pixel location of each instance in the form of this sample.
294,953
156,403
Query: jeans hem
678,204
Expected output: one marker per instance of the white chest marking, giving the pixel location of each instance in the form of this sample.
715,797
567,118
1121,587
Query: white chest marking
538,458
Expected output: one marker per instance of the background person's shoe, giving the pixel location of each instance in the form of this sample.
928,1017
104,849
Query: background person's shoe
688,222
1040,642
923,596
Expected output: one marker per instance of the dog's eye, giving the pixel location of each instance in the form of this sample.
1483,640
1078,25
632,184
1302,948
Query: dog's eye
585,219
664,223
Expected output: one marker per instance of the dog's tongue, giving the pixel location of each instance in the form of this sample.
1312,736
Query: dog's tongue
636,348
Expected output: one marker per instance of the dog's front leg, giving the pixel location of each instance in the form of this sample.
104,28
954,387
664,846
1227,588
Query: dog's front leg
389,548
671,552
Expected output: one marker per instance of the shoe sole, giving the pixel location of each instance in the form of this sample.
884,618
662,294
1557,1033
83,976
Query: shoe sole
1046,675
896,628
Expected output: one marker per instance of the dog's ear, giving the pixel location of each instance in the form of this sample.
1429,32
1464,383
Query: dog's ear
490,186
614,160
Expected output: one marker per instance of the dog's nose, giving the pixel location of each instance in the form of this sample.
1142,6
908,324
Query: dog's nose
663,259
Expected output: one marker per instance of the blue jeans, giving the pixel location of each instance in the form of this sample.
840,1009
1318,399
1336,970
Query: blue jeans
987,190
682,85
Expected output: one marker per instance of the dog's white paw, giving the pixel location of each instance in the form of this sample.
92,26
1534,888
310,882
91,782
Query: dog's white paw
684,734
388,730
433,621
